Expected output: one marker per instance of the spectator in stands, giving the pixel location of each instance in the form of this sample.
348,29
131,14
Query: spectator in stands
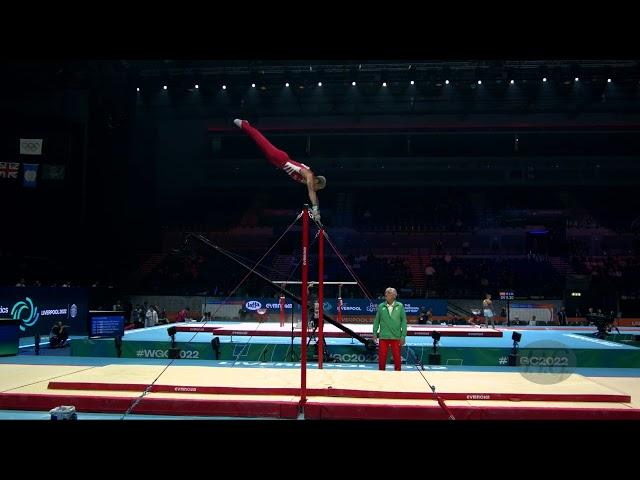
59,335
128,310
429,271
151,317
183,314
562,317
162,316
487,309
429,317
139,317
21,283
590,312
422,316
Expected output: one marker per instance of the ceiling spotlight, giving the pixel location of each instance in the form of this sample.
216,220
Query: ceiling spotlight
384,84
253,85
224,87
447,82
544,79
353,83
319,84
197,86
479,82
512,82
608,80
286,84
137,89
164,87
412,82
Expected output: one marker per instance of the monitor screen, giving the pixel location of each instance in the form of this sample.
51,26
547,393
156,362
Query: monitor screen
9,336
106,324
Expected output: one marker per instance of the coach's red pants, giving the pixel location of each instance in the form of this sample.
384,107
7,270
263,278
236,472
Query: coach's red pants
383,351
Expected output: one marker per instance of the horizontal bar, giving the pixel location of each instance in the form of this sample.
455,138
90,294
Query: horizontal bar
315,283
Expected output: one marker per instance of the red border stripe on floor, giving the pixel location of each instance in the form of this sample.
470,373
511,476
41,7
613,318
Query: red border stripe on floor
153,406
313,409
341,392
280,333
342,411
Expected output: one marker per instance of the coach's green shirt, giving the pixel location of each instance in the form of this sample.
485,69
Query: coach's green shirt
390,327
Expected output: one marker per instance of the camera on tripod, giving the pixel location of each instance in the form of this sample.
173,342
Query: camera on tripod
603,323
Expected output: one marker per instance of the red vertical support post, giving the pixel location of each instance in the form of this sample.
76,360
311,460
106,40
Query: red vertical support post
339,303
282,304
305,280
320,298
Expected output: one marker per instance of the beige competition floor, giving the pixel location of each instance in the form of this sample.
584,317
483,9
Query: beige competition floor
104,388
